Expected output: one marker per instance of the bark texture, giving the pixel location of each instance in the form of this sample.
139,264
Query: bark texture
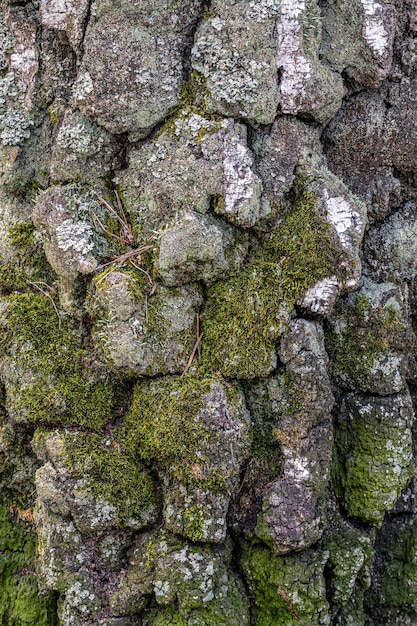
208,263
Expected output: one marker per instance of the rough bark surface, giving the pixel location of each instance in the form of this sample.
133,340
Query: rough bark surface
208,244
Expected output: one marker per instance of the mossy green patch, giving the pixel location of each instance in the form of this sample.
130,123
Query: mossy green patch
29,264
113,473
362,336
245,315
164,425
192,101
396,567
20,602
288,590
372,462
193,523
37,339
350,559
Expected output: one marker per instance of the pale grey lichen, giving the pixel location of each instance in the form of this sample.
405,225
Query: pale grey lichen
75,236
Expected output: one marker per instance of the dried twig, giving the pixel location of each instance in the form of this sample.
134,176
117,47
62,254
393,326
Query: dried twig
126,234
198,334
121,260
95,219
284,595
47,295
192,355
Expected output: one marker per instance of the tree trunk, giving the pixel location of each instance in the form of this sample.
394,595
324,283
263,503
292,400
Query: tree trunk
208,244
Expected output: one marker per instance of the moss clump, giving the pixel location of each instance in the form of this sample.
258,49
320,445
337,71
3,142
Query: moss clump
20,602
164,425
289,590
192,100
29,264
113,474
372,463
396,568
350,559
50,347
362,335
194,523
246,314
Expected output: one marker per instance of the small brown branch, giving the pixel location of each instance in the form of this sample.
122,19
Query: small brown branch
198,334
96,220
284,595
192,355
148,276
121,260
120,207
112,211
47,295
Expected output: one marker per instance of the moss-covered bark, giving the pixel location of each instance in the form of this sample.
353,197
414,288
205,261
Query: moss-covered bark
208,227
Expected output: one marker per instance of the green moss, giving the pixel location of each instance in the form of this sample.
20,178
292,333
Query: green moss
245,315
20,602
350,559
192,101
363,336
372,461
163,425
113,474
29,264
288,590
36,339
397,570
54,115
193,523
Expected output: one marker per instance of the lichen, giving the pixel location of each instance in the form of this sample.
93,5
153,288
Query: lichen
245,315
286,590
372,461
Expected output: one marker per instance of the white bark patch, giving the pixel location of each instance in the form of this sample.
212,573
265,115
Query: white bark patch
55,13
296,67
238,175
322,297
24,61
67,15
296,468
344,218
374,29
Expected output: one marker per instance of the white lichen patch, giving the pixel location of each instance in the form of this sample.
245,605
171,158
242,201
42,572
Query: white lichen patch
24,61
296,467
17,83
75,236
263,9
296,68
195,127
374,30
24,57
235,50
54,13
83,87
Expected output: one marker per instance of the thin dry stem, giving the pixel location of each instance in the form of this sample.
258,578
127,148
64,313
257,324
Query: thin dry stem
47,295
192,355
284,595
